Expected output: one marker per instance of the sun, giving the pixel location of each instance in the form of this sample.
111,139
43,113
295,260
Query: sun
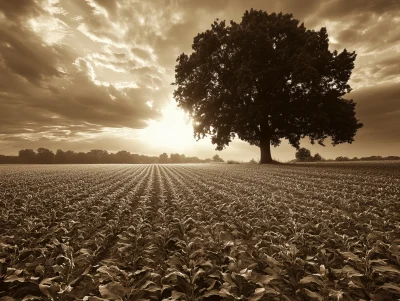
173,133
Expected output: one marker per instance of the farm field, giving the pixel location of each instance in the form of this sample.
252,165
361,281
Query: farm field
326,231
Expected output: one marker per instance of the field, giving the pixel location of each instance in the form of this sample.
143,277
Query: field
200,232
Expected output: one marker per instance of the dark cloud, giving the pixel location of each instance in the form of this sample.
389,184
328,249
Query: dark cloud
335,9
377,34
24,54
378,107
19,9
110,5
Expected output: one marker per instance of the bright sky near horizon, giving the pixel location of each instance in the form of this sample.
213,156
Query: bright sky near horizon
86,74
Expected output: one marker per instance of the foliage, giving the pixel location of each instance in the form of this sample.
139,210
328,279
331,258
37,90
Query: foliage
200,232
317,157
341,158
94,156
303,154
217,158
233,162
253,161
265,79
163,158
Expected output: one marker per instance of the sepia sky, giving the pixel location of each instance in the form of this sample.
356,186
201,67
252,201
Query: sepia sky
80,75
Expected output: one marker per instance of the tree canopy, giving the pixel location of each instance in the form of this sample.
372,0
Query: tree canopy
265,79
303,154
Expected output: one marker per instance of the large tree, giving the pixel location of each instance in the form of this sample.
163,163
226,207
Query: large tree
265,79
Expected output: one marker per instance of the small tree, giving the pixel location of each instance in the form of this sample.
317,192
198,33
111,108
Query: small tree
27,156
217,158
163,158
45,156
317,157
265,79
303,154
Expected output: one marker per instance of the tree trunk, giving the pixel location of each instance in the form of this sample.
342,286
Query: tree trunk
265,147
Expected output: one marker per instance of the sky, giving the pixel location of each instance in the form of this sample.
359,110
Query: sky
97,74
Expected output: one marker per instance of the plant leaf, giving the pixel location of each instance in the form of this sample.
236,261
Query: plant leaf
337,294
257,295
46,286
311,279
31,297
349,271
391,287
93,298
7,298
113,290
262,279
385,269
313,294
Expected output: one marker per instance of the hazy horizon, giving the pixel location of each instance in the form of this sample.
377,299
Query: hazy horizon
97,74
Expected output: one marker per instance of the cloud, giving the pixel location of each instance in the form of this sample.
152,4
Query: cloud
110,5
335,9
16,10
53,90
378,107
23,54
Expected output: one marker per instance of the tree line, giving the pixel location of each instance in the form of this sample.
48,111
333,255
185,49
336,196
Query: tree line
304,155
96,156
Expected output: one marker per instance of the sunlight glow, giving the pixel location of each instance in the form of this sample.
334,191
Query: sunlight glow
173,132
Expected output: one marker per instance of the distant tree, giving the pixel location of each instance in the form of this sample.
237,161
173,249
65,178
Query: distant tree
252,161
135,158
97,156
123,157
265,79
9,159
340,158
217,158
317,157
45,156
176,158
193,160
183,159
392,158
72,157
27,156
60,157
81,158
163,158
303,155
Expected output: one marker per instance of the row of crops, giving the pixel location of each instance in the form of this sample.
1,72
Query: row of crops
200,232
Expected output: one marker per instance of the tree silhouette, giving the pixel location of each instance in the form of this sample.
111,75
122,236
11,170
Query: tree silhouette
303,154
265,79
163,158
45,156
217,158
60,157
27,156
317,157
